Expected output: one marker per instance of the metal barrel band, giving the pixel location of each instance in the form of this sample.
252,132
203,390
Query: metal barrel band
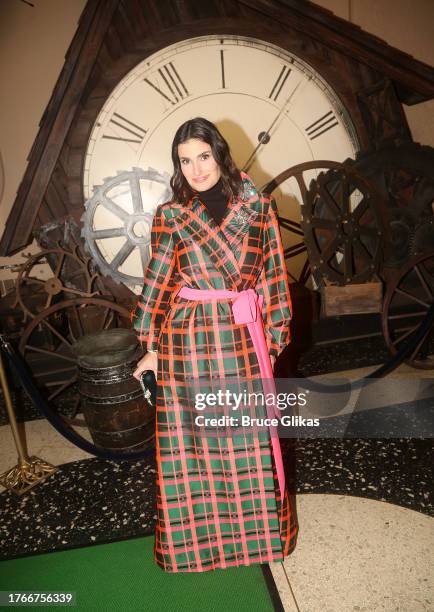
108,401
105,381
113,433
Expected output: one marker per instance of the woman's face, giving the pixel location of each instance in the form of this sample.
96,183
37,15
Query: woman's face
198,165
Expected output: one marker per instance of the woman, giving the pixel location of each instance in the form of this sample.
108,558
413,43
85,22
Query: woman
216,254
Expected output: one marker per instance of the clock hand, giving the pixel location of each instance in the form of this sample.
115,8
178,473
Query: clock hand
264,137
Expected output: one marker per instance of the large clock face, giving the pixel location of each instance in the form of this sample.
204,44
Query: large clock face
274,110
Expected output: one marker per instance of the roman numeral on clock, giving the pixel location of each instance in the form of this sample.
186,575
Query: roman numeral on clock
280,82
222,66
321,125
125,130
174,89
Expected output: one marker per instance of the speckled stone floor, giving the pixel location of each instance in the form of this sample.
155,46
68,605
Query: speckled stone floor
84,502
335,356
96,500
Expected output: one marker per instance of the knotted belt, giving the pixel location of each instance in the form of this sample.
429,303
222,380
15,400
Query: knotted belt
246,308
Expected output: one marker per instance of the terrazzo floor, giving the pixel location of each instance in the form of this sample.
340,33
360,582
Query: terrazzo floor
97,500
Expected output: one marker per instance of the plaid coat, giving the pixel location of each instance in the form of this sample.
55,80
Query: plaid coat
218,502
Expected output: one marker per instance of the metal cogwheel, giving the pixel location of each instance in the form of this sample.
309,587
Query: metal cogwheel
70,276
120,197
343,227
403,175
297,246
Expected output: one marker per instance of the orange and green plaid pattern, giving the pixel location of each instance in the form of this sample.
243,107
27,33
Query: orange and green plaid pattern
218,503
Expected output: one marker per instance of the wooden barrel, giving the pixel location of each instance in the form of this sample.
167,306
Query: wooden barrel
115,411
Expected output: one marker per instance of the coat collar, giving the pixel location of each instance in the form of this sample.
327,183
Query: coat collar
220,242
238,215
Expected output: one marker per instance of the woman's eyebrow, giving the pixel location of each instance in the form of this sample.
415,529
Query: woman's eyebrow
207,151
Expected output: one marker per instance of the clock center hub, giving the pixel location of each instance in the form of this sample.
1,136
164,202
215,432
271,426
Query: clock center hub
140,229
264,137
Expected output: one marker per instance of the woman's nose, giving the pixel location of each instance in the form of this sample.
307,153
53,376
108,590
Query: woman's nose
196,168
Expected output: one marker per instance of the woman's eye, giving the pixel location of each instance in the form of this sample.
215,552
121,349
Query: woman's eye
205,156
184,161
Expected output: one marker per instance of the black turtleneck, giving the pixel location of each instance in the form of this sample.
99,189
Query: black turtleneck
215,201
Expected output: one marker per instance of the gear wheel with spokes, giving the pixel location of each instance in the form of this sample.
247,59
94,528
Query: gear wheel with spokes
70,276
118,220
343,226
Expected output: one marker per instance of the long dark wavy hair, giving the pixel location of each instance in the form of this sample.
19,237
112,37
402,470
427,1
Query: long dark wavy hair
204,130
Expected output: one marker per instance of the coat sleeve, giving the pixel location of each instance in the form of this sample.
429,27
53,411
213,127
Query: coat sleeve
273,285
159,284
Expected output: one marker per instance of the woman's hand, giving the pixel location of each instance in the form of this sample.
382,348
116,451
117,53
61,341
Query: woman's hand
148,362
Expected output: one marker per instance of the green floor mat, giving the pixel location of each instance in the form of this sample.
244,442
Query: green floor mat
123,576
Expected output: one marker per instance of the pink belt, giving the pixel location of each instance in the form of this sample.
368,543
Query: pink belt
246,308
